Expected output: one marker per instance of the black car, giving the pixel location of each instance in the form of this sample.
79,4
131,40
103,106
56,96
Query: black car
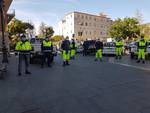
89,47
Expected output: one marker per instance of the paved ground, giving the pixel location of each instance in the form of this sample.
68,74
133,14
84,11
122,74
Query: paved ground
84,87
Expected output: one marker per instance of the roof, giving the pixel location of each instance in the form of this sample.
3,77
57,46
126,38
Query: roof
100,15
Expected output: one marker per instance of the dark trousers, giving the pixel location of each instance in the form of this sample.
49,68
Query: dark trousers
47,56
25,58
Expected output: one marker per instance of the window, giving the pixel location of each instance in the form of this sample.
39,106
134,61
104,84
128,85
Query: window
82,17
82,24
80,33
90,33
95,19
86,32
86,24
86,17
90,18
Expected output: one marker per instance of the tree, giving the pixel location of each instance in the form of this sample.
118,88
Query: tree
145,29
41,30
57,38
18,27
126,28
138,14
45,30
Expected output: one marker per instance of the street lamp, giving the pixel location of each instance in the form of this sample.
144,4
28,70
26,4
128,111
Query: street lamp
4,49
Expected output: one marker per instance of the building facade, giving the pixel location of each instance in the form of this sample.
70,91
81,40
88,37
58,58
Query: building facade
84,26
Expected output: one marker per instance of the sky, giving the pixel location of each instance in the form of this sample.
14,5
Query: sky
52,11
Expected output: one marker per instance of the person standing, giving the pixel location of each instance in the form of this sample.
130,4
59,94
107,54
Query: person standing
47,48
85,47
142,44
119,48
73,48
66,51
99,49
23,47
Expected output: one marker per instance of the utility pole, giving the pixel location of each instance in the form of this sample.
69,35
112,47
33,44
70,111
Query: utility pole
4,49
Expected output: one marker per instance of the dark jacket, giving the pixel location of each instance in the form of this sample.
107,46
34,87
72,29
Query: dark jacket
99,45
85,45
65,45
73,45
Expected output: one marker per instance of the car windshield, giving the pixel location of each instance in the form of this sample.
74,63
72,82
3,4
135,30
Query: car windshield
109,44
89,43
33,40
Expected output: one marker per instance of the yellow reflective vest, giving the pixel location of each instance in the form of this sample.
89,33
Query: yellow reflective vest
119,44
47,43
73,46
23,46
142,44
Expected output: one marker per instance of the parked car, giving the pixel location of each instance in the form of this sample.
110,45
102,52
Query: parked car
36,53
109,48
79,49
89,47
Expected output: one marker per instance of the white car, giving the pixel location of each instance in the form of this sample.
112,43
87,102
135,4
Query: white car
79,47
109,48
36,50
134,49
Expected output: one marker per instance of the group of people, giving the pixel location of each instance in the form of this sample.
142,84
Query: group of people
23,47
68,48
119,44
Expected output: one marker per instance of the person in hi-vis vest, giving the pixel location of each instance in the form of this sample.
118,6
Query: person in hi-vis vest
23,47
